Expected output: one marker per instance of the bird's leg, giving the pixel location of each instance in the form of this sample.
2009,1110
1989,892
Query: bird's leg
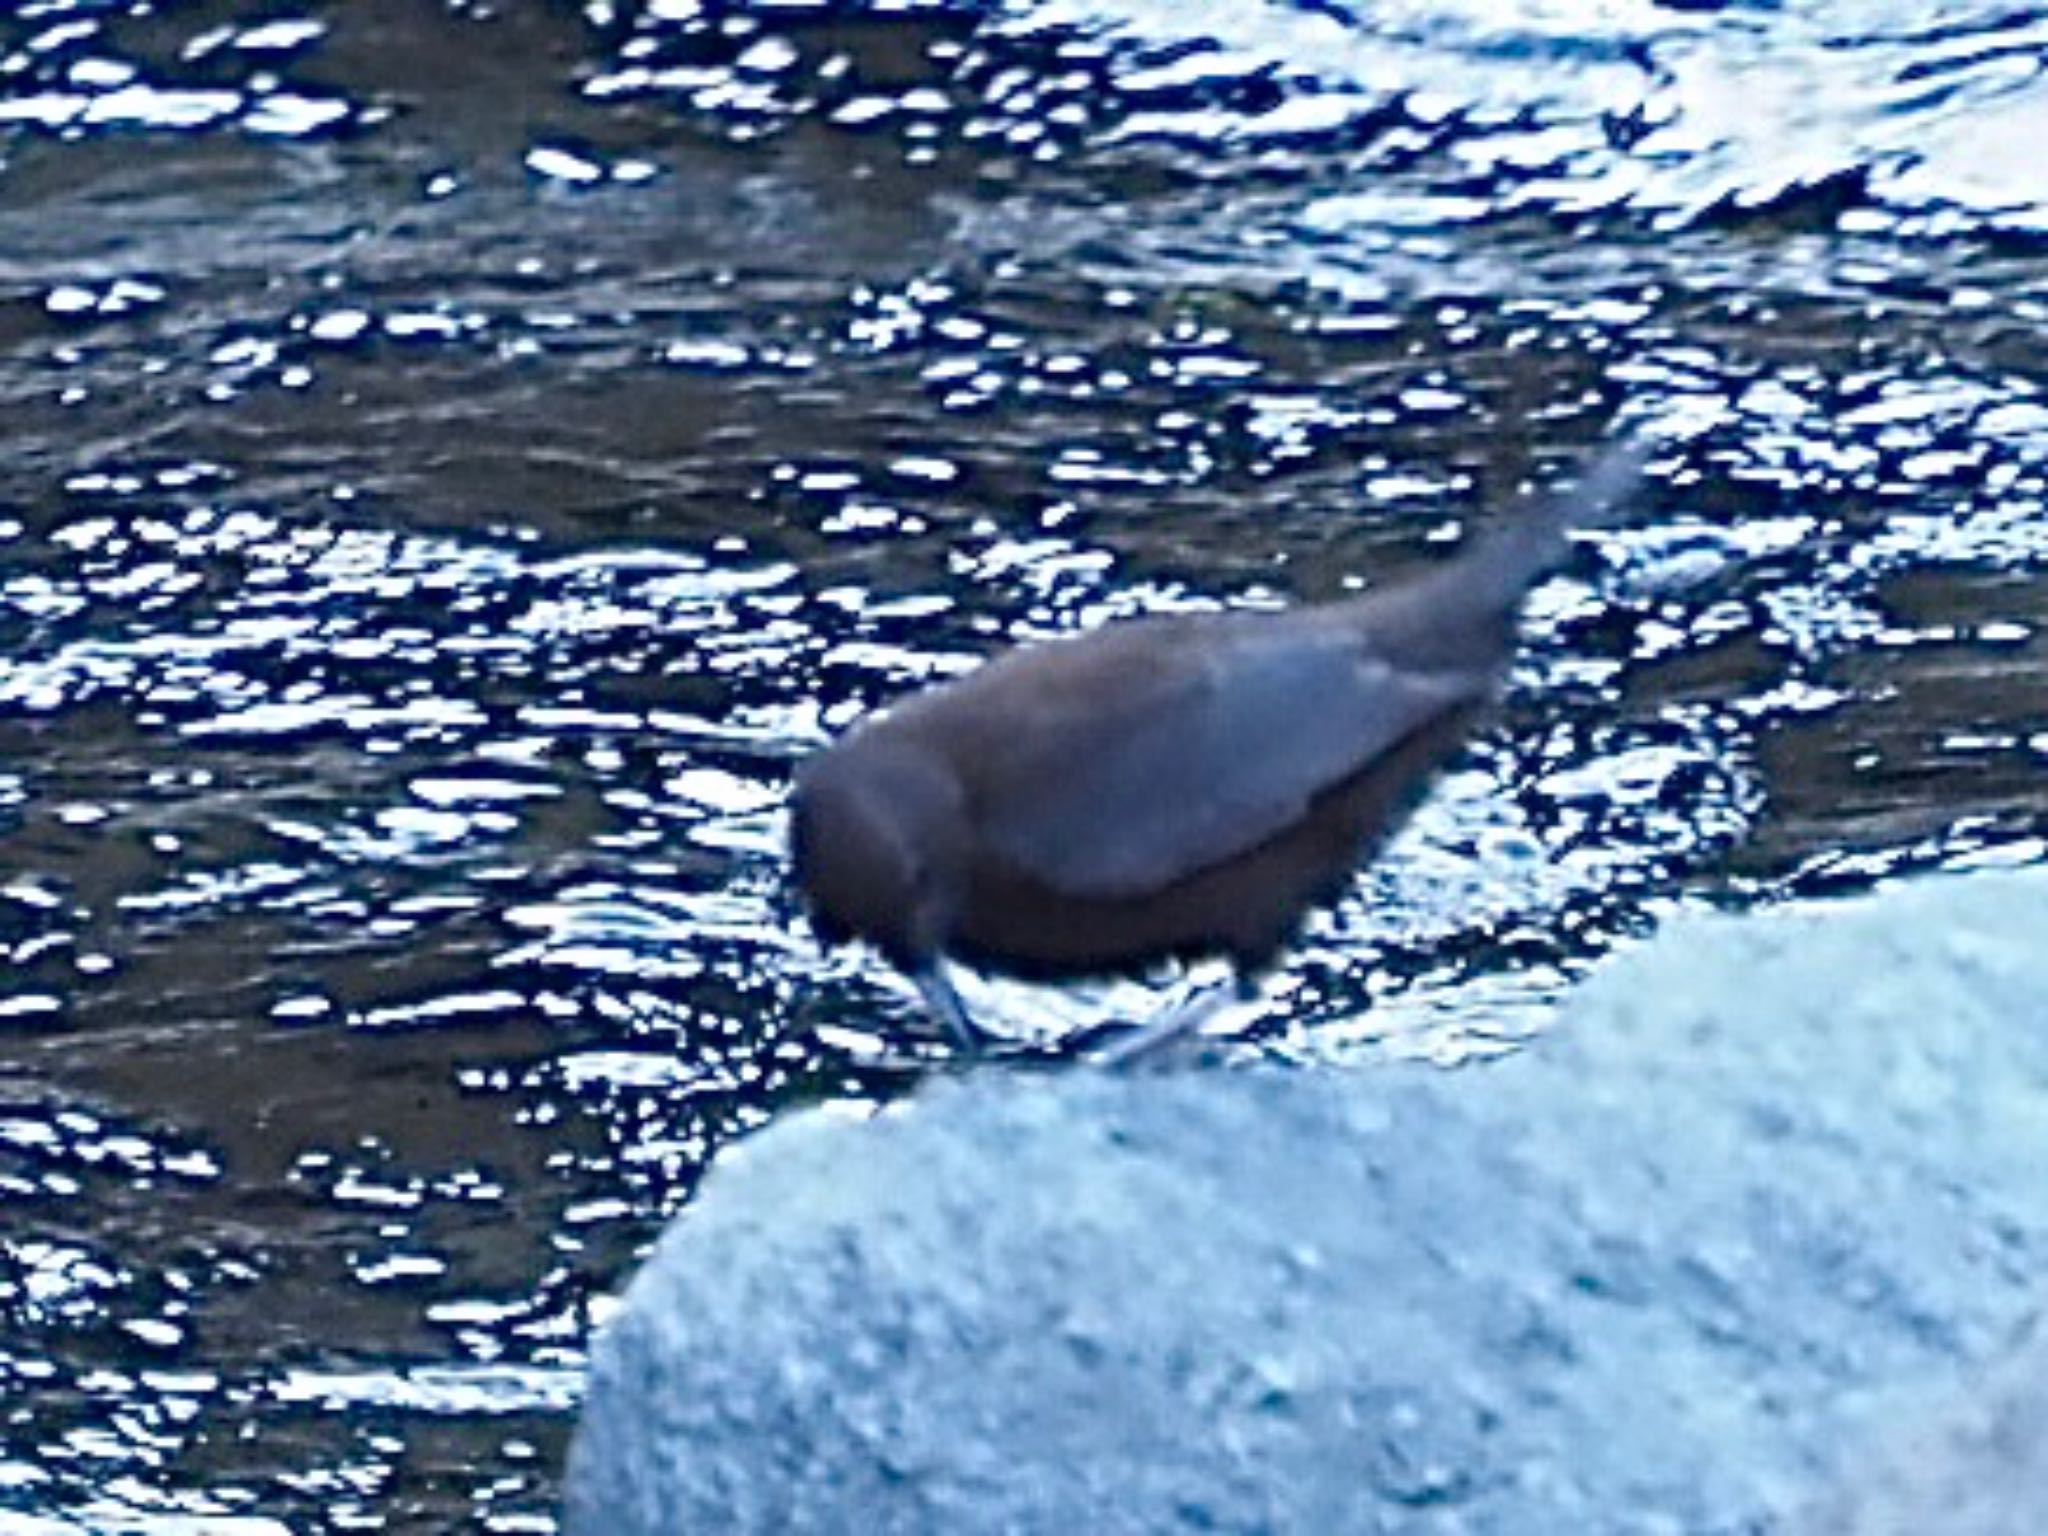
1179,1020
944,1002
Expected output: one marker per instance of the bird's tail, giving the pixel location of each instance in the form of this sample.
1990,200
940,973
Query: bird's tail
1462,613
1521,546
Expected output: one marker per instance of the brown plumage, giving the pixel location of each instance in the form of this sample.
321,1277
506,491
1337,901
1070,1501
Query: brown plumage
1171,787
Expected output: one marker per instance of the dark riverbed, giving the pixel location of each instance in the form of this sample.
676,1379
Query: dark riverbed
456,458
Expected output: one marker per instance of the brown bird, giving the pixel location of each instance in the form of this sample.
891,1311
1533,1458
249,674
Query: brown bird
1174,787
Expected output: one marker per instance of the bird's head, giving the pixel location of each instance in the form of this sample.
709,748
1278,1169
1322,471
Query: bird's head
878,833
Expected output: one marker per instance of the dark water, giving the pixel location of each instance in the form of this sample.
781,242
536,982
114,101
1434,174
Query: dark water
456,458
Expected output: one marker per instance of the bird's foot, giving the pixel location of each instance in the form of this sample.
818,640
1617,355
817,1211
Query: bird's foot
1158,1036
1230,1008
944,1001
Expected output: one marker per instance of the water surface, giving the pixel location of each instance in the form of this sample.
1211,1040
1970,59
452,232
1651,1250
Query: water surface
458,460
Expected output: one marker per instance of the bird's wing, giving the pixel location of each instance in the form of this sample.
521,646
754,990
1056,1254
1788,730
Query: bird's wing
1133,777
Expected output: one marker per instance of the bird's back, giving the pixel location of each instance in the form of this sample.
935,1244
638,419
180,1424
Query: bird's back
1115,765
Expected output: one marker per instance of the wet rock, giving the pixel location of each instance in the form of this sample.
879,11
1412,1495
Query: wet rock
1645,1276
1969,1461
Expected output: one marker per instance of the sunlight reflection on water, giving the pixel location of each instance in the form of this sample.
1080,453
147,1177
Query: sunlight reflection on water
443,503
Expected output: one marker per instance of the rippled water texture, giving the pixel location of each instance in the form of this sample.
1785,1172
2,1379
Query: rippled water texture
458,458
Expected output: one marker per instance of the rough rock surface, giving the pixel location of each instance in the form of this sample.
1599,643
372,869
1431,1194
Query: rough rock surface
1769,1185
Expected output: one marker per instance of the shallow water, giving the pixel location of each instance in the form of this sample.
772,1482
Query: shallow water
457,461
